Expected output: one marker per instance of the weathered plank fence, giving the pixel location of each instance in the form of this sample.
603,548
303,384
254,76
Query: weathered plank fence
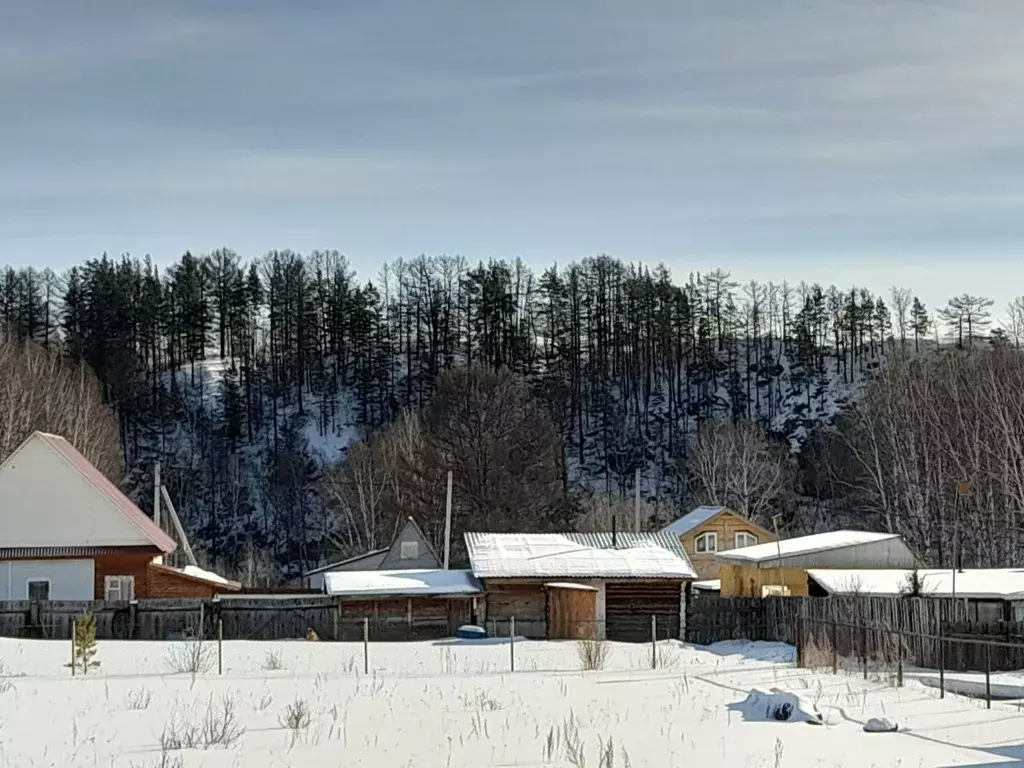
932,632
242,618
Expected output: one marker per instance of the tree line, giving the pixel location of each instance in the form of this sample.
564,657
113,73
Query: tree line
246,379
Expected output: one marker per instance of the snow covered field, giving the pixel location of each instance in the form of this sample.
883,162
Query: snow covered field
451,704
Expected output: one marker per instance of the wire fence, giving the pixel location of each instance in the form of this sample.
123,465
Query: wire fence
953,663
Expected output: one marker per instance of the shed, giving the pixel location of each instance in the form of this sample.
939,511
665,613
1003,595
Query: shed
781,568
993,594
531,576
409,550
404,604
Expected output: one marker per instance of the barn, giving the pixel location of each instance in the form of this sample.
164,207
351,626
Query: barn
403,604
574,585
781,568
68,533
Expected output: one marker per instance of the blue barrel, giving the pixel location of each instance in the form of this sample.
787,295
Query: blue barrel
470,632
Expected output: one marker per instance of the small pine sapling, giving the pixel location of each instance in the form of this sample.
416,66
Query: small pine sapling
85,643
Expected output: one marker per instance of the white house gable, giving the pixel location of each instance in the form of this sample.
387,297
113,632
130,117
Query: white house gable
46,502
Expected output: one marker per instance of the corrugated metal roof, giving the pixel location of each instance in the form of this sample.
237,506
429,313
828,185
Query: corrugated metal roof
803,545
692,519
578,555
27,553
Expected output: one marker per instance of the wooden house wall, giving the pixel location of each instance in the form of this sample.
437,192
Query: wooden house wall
726,525
747,580
524,599
629,606
572,614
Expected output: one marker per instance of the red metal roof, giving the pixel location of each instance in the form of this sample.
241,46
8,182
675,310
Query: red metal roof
113,494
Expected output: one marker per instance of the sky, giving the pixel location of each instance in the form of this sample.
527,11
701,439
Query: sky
865,142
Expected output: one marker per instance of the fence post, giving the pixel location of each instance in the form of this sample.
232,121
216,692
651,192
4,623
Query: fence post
366,645
899,658
988,676
220,646
942,662
864,649
835,647
654,641
512,644
799,639
74,650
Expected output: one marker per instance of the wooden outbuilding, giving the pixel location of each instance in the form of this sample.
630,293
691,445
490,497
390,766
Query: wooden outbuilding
781,568
406,604
581,585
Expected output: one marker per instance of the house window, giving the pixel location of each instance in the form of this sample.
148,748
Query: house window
409,550
744,539
38,589
119,588
707,542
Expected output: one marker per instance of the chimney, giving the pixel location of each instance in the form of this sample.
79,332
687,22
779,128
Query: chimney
615,537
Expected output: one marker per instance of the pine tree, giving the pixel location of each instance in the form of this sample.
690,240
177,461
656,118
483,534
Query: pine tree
920,322
85,643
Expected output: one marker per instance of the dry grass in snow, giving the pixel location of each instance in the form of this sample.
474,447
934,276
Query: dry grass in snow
455,705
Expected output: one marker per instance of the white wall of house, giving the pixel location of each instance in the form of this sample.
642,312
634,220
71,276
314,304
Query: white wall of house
46,502
69,579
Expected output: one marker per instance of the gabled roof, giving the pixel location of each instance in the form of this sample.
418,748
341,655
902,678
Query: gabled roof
578,555
804,545
401,583
692,519
101,530
411,523
347,561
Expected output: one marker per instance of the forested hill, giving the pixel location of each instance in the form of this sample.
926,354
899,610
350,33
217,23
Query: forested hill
248,380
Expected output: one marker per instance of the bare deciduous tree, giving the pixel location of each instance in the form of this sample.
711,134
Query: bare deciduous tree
40,390
737,466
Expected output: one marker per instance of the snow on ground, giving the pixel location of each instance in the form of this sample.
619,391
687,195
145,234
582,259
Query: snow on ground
455,704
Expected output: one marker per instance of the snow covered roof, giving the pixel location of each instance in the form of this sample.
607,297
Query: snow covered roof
692,519
578,555
994,583
198,574
709,585
400,583
804,545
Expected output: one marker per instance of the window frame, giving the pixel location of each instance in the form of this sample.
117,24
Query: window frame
415,545
38,580
708,536
120,580
736,539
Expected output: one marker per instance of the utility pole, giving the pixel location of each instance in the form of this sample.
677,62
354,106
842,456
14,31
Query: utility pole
963,488
778,547
636,506
448,522
156,499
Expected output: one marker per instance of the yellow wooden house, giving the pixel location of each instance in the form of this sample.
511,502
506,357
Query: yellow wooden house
708,530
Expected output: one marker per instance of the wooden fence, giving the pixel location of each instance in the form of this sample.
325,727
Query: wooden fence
932,632
267,617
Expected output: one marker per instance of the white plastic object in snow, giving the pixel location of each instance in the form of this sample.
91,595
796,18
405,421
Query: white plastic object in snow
778,705
880,725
